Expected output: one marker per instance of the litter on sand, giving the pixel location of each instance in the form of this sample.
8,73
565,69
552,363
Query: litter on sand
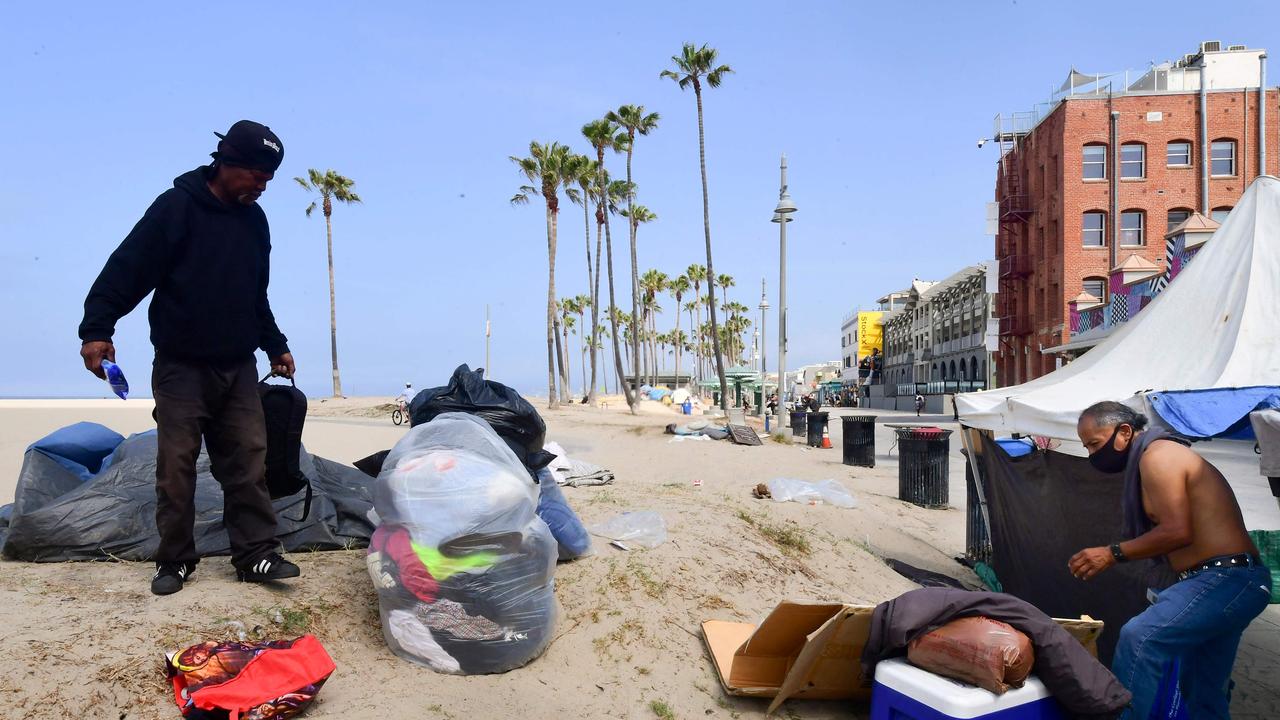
645,528
572,472
811,493
683,438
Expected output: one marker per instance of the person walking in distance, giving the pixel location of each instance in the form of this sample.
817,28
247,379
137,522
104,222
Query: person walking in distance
204,247
919,404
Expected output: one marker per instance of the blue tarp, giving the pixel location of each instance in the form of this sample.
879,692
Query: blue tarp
1220,413
80,448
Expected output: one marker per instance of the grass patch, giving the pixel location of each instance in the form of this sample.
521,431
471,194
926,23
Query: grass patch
638,430
662,710
652,587
788,537
780,438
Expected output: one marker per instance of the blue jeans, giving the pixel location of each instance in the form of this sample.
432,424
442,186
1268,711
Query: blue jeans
1199,621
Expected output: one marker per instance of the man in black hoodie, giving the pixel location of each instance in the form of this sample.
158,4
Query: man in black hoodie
204,248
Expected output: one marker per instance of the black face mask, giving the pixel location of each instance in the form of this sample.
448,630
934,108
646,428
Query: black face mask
1107,458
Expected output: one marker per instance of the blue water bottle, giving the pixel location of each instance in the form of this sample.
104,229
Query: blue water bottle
115,378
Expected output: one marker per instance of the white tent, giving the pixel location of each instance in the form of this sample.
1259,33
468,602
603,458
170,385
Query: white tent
1217,325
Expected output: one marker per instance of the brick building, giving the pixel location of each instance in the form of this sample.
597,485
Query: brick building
1105,171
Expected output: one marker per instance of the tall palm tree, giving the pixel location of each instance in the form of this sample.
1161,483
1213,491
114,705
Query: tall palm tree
586,177
633,120
694,66
604,135
678,287
331,186
546,168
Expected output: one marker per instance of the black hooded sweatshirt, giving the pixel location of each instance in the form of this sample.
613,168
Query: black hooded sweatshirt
208,263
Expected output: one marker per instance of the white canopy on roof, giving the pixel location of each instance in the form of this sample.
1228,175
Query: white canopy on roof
1217,325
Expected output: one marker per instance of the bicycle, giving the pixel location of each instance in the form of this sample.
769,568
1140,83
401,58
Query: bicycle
400,414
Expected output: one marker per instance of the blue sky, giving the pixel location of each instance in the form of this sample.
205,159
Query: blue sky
878,107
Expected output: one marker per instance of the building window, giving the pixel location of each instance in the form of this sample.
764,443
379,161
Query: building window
1096,287
1131,228
1177,215
1095,229
1222,158
1133,160
1095,162
1179,154
1220,214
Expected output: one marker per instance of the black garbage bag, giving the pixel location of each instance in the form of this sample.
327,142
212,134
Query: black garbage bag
510,415
66,510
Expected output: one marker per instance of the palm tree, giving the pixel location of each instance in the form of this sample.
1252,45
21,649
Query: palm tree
546,168
604,135
697,274
586,177
696,65
331,186
568,308
582,303
633,120
678,287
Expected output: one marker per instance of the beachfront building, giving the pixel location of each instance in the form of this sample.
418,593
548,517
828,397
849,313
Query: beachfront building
859,336
1091,185
939,338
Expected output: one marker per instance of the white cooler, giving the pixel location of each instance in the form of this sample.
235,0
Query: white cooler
903,691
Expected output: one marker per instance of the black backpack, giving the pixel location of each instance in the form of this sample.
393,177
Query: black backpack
284,407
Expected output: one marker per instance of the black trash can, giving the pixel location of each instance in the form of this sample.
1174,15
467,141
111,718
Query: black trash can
923,466
798,423
817,426
859,440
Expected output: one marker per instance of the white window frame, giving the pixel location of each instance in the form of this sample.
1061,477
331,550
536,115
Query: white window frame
1213,146
1085,163
1142,228
1169,156
1084,229
1141,162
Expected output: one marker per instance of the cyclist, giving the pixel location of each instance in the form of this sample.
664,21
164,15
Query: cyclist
403,399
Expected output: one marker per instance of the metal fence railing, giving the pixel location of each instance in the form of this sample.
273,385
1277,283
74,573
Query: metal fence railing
937,387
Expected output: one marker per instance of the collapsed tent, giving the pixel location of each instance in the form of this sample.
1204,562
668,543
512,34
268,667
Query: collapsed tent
87,493
1214,327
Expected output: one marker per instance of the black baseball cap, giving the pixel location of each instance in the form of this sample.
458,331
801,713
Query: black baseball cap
250,145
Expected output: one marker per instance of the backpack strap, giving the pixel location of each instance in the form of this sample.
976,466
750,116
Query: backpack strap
272,374
306,505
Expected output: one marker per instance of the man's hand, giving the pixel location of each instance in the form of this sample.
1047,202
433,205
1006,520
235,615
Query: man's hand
94,353
1090,561
283,365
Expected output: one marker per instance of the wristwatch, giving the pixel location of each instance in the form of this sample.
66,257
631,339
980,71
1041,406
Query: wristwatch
1117,553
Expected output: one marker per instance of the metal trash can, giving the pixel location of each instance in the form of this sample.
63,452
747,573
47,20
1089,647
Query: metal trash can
977,537
859,440
798,423
817,425
923,466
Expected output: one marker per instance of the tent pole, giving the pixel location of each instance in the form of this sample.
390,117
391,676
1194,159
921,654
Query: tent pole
975,462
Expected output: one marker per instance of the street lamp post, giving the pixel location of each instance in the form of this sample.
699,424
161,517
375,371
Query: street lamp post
782,216
764,335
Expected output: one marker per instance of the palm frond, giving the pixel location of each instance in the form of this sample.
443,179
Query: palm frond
311,208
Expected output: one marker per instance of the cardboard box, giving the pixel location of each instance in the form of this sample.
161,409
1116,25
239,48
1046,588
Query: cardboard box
811,651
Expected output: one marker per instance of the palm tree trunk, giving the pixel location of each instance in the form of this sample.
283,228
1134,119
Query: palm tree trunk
582,350
706,228
628,393
675,340
333,309
593,285
635,269
553,401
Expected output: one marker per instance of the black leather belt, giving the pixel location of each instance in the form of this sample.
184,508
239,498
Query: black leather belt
1221,561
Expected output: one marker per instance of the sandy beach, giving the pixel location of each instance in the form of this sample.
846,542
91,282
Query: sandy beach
87,639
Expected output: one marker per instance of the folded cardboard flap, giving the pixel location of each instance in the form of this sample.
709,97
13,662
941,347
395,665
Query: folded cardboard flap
811,650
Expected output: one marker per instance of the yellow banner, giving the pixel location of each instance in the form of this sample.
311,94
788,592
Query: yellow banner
870,333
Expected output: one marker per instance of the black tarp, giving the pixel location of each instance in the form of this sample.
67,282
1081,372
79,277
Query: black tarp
64,511
1044,508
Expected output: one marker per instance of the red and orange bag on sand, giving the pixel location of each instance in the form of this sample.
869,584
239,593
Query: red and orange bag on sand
976,650
272,680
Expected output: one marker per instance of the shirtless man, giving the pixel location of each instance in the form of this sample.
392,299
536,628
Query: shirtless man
1179,507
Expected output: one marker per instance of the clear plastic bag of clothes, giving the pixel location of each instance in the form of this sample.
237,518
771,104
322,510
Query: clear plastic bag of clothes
462,564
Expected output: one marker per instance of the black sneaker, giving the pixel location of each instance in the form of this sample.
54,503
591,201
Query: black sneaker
271,567
170,577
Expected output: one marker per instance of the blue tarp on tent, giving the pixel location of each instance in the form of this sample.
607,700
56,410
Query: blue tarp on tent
1219,412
